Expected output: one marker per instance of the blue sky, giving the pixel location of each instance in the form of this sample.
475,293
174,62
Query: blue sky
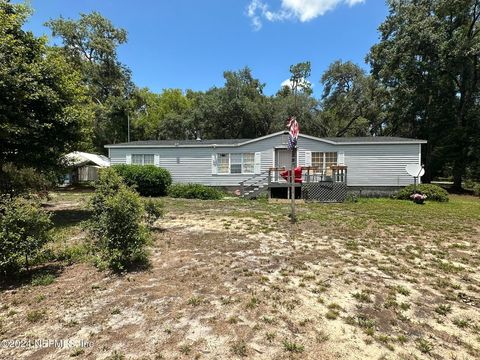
187,44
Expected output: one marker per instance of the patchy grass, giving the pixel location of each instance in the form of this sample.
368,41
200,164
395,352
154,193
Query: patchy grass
377,278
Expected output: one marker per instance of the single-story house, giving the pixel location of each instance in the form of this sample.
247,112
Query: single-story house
374,162
83,167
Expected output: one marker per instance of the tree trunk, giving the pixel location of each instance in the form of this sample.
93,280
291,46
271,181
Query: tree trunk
458,172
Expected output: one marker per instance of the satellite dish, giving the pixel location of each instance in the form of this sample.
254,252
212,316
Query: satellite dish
415,170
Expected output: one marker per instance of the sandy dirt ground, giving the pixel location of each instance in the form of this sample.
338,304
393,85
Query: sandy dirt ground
228,280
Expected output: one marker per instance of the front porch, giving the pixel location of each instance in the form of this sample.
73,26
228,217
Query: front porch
310,183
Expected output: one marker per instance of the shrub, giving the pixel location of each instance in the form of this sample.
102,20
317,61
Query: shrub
148,180
117,222
194,191
17,181
24,229
153,210
433,192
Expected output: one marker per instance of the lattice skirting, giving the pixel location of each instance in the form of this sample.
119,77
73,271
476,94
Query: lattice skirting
324,192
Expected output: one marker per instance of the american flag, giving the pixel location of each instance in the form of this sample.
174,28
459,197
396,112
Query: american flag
294,129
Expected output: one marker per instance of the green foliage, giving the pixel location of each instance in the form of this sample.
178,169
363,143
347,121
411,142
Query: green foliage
194,191
90,44
428,59
117,222
17,181
43,280
161,116
41,96
473,186
24,229
148,180
352,101
154,210
433,192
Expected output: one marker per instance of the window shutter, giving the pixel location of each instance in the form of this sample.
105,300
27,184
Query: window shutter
341,158
258,163
156,160
308,158
214,164
129,159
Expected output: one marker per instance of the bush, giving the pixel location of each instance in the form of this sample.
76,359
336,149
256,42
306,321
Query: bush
433,192
117,222
17,181
473,186
24,229
153,211
194,191
148,180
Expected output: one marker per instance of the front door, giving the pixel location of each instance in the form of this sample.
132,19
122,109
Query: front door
283,159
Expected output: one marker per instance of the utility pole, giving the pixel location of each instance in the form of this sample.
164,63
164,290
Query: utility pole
128,127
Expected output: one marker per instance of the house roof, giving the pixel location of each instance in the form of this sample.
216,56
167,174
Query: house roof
79,158
239,142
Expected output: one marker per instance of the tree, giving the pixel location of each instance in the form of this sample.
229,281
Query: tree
90,43
351,101
237,110
41,97
296,99
161,116
24,229
428,58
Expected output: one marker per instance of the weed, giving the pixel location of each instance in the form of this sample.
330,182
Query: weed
77,352
36,315
233,320
402,290
461,323
402,339
43,280
362,296
270,336
293,347
116,356
252,303
443,309
185,349
424,346
322,336
194,301
332,314
239,348
269,320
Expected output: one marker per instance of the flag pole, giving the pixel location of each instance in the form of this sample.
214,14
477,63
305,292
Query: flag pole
293,120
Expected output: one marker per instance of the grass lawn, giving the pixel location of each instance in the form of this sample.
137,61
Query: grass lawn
375,279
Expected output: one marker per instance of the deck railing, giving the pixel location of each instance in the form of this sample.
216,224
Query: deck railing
335,173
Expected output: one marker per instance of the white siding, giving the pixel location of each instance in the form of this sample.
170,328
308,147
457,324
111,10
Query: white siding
368,165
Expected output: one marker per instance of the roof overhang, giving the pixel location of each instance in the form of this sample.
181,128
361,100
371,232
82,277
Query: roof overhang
327,141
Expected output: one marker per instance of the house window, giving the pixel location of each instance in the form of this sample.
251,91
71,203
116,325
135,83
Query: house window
143,159
248,163
148,159
223,163
324,160
237,163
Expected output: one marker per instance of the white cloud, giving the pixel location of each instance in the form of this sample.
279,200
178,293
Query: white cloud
288,83
303,10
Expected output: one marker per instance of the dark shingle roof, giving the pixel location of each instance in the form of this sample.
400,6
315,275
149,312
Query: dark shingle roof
369,139
234,142
184,142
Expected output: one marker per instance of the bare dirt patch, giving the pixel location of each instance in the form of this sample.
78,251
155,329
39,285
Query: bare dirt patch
234,279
